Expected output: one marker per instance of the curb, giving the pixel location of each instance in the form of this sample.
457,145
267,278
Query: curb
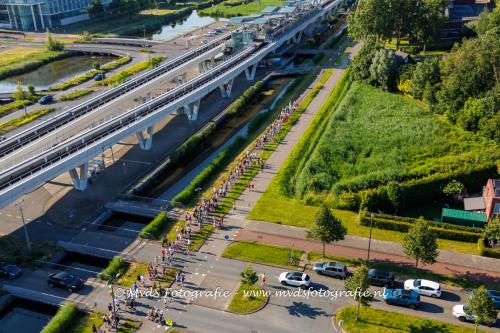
334,321
251,312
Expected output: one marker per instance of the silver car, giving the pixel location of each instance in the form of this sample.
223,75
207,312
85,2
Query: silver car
332,269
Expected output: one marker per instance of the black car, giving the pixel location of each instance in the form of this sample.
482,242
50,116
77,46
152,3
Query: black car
10,271
378,277
65,281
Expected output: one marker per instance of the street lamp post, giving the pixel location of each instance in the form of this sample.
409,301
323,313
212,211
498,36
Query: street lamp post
113,300
28,243
370,239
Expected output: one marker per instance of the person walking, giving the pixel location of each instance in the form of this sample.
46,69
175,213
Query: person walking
182,280
263,279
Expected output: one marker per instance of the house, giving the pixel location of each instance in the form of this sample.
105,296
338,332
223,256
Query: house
460,12
462,217
488,202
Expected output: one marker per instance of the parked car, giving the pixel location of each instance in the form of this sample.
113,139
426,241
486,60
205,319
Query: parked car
463,313
66,281
10,271
494,295
378,277
295,279
332,269
424,287
47,99
99,77
403,297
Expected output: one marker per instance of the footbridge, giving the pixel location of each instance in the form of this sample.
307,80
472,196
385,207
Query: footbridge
72,154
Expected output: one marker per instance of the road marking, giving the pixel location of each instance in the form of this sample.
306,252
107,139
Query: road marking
9,215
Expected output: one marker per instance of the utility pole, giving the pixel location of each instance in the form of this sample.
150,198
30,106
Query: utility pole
18,204
370,239
113,300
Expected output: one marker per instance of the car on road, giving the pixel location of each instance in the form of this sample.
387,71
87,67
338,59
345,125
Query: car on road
47,99
295,279
494,295
66,281
332,269
424,287
99,77
463,313
403,297
382,278
10,271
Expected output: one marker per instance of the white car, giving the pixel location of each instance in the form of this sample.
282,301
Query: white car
424,287
295,279
463,313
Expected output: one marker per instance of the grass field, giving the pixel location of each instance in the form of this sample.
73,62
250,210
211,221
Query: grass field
224,9
242,304
263,254
380,321
85,321
17,60
130,276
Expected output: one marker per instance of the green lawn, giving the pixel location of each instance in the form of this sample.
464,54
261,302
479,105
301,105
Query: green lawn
294,213
224,9
200,237
85,321
129,326
380,321
263,254
130,276
242,304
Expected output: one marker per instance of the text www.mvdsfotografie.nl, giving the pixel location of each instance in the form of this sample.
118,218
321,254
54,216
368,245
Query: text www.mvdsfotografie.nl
311,293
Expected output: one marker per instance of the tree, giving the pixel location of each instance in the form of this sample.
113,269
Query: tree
430,21
358,285
52,44
384,68
420,243
96,64
249,276
370,19
131,7
395,194
31,89
453,189
96,8
492,230
425,71
19,94
360,67
487,21
482,307
327,228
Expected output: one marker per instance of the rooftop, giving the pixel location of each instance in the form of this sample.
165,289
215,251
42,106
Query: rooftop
463,215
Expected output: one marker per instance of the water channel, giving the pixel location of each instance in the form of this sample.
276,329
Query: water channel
53,73
175,29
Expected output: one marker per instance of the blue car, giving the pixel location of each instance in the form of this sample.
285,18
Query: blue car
99,77
494,295
403,297
47,99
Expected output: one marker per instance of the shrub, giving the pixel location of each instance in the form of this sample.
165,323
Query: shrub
63,319
117,63
485,251
76,94
249,276
75,81
14,106
155,228
123,75
115,266
24,119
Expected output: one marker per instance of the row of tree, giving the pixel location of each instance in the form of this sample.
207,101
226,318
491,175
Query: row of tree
120,7
417,20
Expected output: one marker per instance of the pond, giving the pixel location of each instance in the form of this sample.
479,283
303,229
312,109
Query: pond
192,22
52,73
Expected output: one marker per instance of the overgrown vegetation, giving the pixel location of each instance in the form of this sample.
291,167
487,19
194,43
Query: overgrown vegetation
14,106
115,267
76,80
24,119
76,94
156,227
125,74
63,319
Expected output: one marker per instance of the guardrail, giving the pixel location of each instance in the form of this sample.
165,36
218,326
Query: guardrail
23,138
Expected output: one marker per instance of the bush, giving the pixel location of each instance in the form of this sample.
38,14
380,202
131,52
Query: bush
123,75
443,232
24,119
115,266
63,319
485,251
155,228
117,63
75,81
76,94
14,106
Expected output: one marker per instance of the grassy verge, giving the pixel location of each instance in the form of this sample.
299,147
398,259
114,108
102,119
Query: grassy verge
403,272
14,106
117,63
129,326
125,74
76,80
377,321
263,254
115,267
167,278
22,120
63,319
76,94
232,8
18,60
128,278
200,237
84,323
243,304
295,213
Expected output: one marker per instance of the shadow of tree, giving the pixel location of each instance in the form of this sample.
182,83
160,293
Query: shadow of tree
301,309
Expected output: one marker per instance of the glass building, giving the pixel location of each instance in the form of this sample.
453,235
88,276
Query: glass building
39,15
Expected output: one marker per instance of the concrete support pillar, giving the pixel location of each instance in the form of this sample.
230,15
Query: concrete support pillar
145,142
41,16
225,89
34,18
191,110
297,37
250,72
80,176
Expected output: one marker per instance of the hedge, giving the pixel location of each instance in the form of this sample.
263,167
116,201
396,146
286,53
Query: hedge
115,266
22,120
487,251
76,94
14,106
75,81
457,235
63,319
124,75
117,63
155,228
